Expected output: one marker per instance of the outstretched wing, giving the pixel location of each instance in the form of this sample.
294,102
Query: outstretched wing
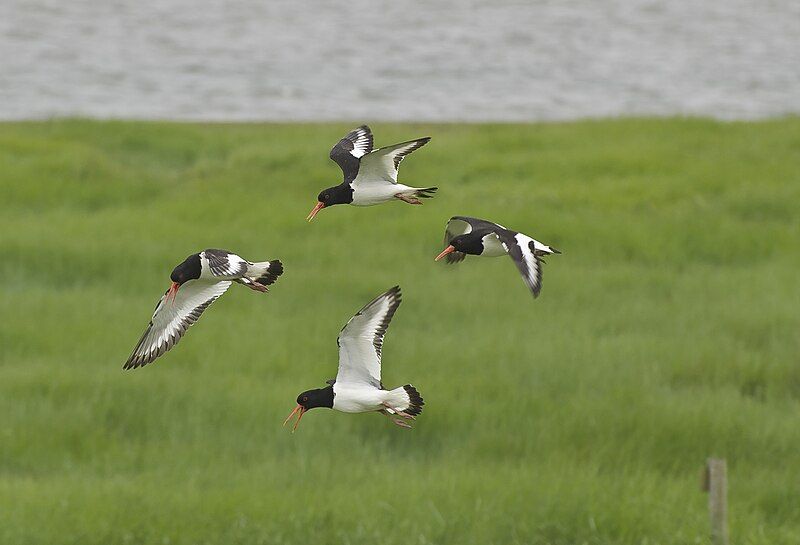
382,164
171,319
461,225
347,152
361,340
521,249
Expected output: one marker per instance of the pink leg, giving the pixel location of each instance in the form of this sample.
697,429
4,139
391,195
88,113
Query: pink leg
396,421
398,412
409,200
255,286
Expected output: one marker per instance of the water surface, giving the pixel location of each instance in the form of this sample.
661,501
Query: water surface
390,60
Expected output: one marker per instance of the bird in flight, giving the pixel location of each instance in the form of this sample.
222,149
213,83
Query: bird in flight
196,283
465,235
357,387
370,176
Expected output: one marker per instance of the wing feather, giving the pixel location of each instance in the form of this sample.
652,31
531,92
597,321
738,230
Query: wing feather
521,249
361,340
348,151
171,319
382,164
225,264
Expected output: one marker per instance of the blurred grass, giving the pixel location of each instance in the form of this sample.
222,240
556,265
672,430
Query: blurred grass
666,332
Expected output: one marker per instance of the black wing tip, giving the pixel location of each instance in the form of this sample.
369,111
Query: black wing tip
135,363
394,291
395,295
421,142
395,298
362,131
139,359
416,142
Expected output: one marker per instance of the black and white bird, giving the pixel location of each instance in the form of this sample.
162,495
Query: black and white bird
196,283
370,176
465,235
358,387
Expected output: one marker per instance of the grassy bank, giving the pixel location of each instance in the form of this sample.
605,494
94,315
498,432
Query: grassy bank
666,332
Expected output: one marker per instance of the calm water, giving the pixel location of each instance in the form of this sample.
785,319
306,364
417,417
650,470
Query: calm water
393,60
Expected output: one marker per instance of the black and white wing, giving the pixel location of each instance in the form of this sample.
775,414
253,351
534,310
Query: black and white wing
521,249
361,340
225,264
461,225
347,152
171,319
382,164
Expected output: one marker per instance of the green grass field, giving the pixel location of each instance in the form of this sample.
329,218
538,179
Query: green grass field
667,332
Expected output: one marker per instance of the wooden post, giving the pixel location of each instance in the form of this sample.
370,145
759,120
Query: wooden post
715,482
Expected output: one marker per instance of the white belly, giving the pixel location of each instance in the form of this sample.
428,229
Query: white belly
492,247
371,193
357,398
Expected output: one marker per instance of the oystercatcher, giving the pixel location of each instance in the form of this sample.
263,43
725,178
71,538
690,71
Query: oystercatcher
370,176
196,283
465,235
357,387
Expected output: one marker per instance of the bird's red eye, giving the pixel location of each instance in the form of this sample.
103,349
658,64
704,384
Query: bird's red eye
305,398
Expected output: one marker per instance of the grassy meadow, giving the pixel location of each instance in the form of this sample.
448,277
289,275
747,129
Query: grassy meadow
667,332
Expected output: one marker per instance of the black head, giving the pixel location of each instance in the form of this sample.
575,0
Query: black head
188,270
338,194
311,399
471,243
320,397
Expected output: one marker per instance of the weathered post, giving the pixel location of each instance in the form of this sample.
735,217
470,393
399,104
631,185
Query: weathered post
715,482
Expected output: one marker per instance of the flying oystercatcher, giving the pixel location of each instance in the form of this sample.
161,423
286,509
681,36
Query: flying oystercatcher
465,235
370,176
196,283
358,387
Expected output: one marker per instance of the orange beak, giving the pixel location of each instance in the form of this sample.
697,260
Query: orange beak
297,409
315,210
446,251
173,291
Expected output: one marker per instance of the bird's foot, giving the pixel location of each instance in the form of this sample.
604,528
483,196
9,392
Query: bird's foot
401,423
409,200
255,286
391,410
